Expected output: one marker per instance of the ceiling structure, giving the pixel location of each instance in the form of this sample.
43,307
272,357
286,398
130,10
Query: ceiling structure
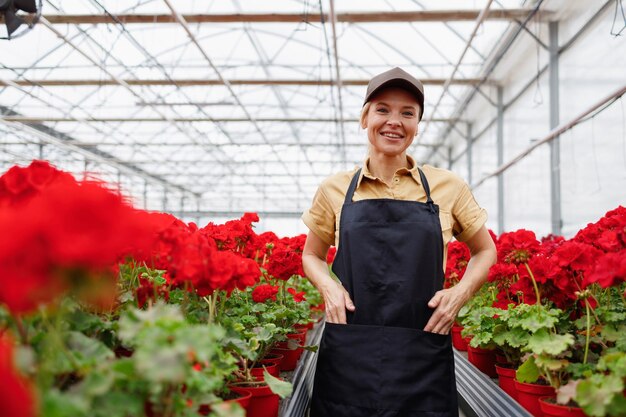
214,108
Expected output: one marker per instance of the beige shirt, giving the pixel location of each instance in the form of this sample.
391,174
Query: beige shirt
460,214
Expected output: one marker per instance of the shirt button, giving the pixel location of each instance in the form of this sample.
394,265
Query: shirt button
396,180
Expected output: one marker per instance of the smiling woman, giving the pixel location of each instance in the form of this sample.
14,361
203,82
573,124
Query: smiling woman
389,318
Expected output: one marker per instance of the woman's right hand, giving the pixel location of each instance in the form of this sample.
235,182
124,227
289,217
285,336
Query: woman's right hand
337,301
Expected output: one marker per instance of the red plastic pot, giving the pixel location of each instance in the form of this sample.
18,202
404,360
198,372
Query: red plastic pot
290,356
257,371
551,409
459,342
483,359
299,335
243,400
528,396
272,359
506,380
263,402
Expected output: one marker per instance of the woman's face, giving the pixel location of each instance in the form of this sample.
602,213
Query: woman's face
391,121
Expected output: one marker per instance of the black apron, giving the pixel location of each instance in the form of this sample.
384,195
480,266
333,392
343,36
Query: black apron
382,363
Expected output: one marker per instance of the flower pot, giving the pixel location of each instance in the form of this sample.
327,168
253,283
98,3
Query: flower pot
299,335
528,396
483,359
263,402
290,357
551,409
506,380
272,359
257,371
459,342
243,399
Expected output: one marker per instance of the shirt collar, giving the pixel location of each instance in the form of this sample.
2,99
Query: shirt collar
411,170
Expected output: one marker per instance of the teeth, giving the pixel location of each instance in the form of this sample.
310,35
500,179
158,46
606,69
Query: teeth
391,135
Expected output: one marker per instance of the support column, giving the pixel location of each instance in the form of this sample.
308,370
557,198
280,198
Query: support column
449,157
145,194
469,153
164,199
555,148
500,162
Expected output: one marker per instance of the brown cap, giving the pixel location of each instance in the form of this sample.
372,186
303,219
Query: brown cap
396,77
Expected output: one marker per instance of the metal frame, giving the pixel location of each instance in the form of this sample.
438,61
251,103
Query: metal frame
284,121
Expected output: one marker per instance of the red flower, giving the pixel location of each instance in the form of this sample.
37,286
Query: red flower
501,272
609,270
264,292
575,255
330,257
517,247
233,271
148,290
17,397
297,296
284,263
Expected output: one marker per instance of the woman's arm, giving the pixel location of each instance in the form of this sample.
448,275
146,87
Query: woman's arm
448,302
336,297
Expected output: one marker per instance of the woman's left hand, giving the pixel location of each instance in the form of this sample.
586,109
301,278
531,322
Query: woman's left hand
447,304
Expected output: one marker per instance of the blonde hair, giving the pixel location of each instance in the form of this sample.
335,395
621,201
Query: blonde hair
364,111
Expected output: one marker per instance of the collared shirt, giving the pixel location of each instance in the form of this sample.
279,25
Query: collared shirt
460,215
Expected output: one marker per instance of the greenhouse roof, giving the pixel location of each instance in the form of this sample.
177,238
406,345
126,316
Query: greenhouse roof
227,106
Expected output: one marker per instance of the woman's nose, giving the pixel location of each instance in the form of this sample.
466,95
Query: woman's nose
393,121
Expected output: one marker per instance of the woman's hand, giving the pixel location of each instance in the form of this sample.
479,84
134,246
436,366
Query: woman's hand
447,304
336,298
337,301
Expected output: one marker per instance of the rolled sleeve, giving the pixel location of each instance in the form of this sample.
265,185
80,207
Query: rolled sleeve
320,218
468,216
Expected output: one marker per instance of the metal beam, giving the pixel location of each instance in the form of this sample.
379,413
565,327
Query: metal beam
187,144
235,213
27,119
557,131
479,21
555,152
193,82
500,157
367,17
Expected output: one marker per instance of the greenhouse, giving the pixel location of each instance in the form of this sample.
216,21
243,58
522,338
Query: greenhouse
326,208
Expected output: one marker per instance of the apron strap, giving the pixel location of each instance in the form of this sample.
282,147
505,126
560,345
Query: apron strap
355,179
352,187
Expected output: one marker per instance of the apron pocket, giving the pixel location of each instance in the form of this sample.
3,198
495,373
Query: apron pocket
348,365
417,371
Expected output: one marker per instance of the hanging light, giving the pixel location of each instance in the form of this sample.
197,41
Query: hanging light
9,8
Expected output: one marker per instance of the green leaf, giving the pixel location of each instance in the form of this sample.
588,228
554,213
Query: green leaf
528,371
118,404
95,384
57,404
549,363
278,386
86,350
545,342
596,393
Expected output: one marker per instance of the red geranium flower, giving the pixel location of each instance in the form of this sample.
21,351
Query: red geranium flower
517,247
609,270
284,263
297,296
17,397
330,256
264,292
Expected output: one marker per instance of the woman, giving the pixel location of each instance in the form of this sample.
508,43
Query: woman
386,349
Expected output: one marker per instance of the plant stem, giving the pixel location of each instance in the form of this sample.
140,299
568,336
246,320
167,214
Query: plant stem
21,330
588,330
532,277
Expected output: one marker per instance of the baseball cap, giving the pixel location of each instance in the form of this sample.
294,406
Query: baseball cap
396,77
